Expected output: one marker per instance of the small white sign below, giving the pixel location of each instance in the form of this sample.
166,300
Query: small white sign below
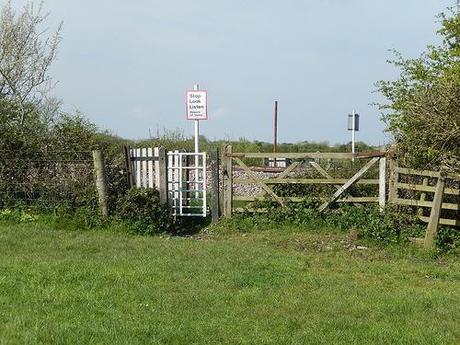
197,105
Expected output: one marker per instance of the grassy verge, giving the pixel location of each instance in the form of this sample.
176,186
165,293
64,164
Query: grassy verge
266,287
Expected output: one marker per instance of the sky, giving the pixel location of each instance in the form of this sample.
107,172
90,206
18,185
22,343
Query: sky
127,65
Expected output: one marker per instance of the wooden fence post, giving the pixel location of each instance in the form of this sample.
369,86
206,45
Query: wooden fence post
128,165
163,175
435,214
228,180
101,183
215,185
394,178
382,183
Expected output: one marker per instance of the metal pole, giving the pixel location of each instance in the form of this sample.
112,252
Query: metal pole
196,87
275,134
204,184
353,136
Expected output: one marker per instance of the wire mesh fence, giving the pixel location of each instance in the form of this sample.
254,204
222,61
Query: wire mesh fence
46,179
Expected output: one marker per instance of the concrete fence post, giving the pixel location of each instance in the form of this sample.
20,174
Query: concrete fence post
101,182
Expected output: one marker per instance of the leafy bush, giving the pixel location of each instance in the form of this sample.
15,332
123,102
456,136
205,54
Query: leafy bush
422,112
142,211
298,213
390,226
448,240
16,216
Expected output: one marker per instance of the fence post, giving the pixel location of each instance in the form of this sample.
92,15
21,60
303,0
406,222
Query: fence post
128,164
422,196
435,214
163,175
382,183
228,180
215,185
394,177
101,183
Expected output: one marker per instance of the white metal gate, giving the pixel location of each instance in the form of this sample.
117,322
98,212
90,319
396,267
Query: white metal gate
187,183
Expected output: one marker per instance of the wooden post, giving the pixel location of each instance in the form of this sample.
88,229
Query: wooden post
128,164
394,178
422,196
382,183
163,175
101,183
215,185
435,214
228,180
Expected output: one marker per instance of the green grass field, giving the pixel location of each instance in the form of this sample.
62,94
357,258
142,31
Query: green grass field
268,287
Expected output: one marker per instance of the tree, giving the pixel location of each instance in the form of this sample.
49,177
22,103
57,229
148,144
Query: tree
27,50
423,109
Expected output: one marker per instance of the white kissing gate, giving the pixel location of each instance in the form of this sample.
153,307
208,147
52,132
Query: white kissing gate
185,173
187,183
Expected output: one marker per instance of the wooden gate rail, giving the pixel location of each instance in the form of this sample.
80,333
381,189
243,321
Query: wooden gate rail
256,180
349,183
313,155
333,181
341,184
436,206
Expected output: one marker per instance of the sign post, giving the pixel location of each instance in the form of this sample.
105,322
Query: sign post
197,109
353,126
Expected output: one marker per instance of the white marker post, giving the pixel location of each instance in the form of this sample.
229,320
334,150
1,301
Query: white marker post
196,87
197,109
353,126
353,135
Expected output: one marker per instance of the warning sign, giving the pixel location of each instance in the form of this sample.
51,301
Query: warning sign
197,105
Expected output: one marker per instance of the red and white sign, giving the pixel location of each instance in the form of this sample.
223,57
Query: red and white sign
197,105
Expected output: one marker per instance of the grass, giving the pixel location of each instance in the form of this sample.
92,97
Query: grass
267,287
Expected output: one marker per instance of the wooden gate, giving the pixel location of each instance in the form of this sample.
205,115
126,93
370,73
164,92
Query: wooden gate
143,167
283,177
435,195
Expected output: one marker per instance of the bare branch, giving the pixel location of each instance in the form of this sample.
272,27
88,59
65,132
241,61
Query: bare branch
27,50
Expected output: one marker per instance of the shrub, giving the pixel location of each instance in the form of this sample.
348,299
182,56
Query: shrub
387,227
142,211
448,240
422,108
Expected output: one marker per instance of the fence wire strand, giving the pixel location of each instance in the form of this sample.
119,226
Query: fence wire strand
46,179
